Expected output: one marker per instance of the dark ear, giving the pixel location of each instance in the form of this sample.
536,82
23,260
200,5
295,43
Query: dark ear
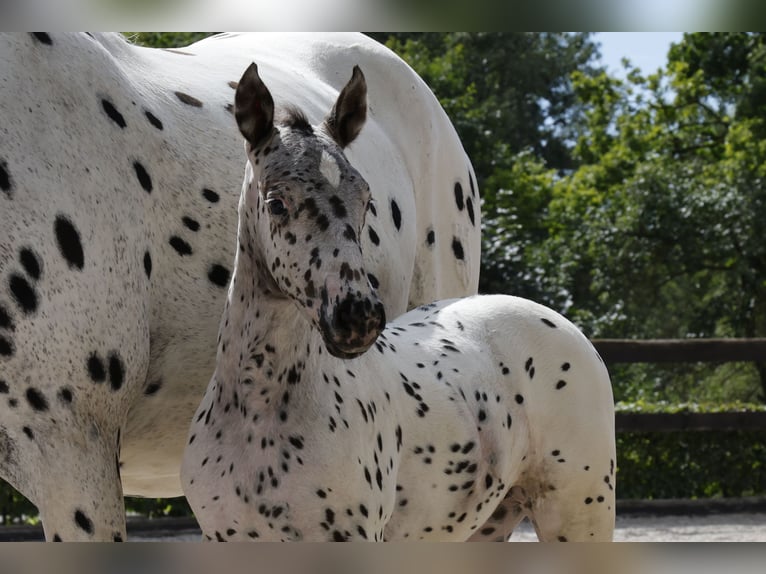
254,107
350,110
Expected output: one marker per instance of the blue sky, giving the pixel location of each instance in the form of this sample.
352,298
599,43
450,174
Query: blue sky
647,50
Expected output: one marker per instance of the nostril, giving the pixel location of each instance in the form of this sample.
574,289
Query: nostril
343,314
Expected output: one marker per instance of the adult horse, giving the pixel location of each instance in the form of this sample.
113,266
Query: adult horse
120,171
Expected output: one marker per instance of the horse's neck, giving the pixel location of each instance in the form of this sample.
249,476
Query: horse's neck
265,342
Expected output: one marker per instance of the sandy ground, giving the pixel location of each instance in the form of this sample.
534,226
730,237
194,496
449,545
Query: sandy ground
711,528
750,527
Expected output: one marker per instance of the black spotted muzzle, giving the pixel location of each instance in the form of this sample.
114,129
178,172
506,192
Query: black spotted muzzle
351,326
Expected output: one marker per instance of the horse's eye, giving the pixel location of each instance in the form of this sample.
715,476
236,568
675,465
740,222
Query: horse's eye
276,206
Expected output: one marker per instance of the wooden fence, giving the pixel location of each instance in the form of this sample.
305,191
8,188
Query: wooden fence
684,351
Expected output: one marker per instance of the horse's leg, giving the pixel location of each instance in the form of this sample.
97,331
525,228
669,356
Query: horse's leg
580,509
80,494
69,470
500,525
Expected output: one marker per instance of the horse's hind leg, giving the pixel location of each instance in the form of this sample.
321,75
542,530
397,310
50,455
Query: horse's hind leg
500,525
580,509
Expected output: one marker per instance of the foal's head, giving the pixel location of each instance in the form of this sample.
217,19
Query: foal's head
303,209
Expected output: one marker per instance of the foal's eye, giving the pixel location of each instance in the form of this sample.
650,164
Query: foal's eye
276,206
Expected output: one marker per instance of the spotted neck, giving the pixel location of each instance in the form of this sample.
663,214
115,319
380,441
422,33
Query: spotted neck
265,342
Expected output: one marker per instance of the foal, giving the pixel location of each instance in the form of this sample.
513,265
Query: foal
321,422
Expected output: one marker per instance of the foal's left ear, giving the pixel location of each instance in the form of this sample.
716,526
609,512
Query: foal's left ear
254,107
350,110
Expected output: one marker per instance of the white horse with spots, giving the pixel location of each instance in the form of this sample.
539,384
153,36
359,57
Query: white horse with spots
468,414
119,167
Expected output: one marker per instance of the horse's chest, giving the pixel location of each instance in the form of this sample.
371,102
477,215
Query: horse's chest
290,488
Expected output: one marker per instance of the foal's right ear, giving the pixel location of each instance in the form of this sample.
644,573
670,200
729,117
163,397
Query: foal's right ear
254,107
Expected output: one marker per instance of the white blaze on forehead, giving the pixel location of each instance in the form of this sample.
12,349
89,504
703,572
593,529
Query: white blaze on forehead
328,167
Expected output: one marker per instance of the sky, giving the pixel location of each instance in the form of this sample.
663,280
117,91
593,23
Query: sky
647,50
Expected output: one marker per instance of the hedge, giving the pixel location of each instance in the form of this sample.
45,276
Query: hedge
649,466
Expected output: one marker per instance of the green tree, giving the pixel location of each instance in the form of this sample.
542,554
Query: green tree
659,232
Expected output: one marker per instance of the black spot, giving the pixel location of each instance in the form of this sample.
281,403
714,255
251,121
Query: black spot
4,389
23,292
43,38
430,237
117,538
28,432
96,368
113,114
57,538
6,347
588,500
323,222
519,399
68,240
551,324
210,195
374,283
189,100
5,178
457,248
116,371
373,236
396,214
219,275
459,196
561,385
469,207
565,367
30,262
66,395
180,245
83,521
5,319
349,233
192,224
338,207
153,119
36,400
152,388
148,264
470,182
143,177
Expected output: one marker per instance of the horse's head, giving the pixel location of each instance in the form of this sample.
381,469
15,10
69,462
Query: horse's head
302,211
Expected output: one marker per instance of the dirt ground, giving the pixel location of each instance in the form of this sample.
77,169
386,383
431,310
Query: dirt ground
712,528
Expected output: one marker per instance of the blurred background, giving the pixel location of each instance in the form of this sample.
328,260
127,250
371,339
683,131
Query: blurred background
627,194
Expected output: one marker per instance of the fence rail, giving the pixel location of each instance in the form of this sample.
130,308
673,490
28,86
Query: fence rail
684,351
681,350
669,422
